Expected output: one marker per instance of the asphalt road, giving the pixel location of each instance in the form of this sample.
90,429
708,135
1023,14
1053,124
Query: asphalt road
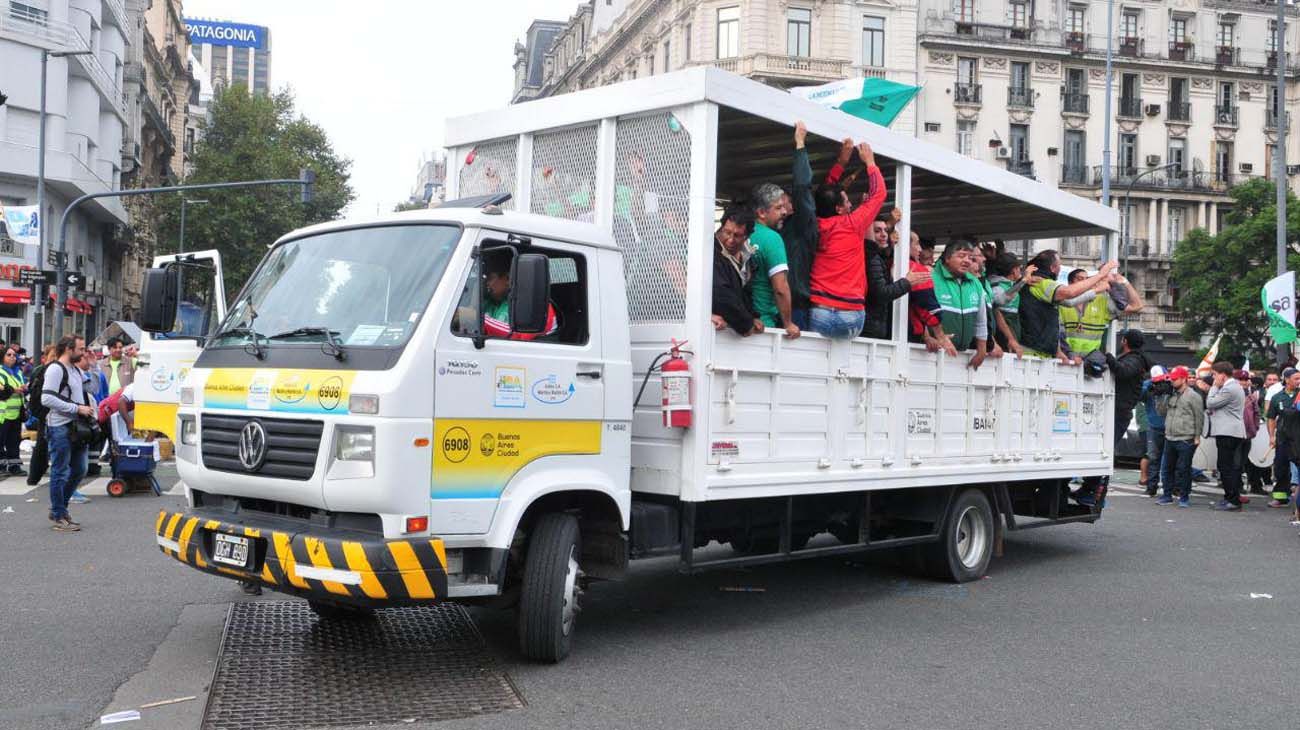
1144,620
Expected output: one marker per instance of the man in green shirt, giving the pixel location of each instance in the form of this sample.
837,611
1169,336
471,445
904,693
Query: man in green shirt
771,286
964,308
119,370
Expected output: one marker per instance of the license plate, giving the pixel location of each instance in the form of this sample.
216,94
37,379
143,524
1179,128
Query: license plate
230,549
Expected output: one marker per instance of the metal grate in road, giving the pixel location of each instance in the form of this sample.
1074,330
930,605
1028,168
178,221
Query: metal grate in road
280,666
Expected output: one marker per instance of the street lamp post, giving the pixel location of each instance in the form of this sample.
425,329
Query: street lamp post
37,318
184,203
1279,154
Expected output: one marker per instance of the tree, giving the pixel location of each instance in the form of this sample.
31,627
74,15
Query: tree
1219,277
406,205
255,137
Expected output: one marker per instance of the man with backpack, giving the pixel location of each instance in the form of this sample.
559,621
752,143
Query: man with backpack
64,396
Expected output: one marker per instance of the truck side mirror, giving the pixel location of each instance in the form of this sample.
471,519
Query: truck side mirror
160,298
530,288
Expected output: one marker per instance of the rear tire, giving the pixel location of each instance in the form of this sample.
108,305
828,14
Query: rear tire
548,598
338,612
965,543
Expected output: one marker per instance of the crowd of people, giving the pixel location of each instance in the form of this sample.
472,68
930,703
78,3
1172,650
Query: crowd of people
1179,409
808,259
64,401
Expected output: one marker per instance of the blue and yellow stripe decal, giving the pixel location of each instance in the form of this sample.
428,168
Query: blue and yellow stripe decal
476,459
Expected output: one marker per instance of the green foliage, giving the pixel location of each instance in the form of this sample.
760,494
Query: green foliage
409,205
254,137
1219,277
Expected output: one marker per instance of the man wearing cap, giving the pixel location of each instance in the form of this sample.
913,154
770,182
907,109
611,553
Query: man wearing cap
1280,437
1155,395
1184,421
1225,405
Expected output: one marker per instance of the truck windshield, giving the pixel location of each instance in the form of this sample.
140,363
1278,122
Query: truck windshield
361,287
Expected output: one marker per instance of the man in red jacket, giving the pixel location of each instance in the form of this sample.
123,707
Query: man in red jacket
839,278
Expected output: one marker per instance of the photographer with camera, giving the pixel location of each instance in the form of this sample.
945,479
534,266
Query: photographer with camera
1155,394
69,427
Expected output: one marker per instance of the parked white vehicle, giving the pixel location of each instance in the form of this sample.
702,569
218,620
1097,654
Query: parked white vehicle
351,434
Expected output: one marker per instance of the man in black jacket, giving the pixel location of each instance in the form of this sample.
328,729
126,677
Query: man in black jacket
881,289
1129,370
732,306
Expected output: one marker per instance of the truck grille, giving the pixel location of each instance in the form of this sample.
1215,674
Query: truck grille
291,446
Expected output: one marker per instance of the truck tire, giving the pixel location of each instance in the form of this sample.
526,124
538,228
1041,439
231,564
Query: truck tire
548,598
965,543
339,612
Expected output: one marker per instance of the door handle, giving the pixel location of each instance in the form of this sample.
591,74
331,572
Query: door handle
593,374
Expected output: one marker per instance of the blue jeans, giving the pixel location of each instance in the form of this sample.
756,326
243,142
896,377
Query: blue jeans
67,467
1155,456
1177,468
837,323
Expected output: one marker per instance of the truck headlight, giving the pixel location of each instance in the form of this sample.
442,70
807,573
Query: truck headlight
189,431
354,443
187,396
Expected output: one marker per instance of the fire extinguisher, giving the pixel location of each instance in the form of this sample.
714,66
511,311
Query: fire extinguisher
675,380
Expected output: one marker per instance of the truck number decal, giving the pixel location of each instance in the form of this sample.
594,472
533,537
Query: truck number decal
455,444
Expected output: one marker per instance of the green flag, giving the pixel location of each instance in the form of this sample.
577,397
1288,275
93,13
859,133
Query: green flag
875,100
1278,298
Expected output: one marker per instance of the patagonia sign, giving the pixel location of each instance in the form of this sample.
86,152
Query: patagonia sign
222,33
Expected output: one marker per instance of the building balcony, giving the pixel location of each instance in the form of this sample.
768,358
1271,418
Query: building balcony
1130,107
967,94
1078,247
1152,178
1270,119
1020,97
1178,111
1074,103
1130,46
1024,168
1137,248
1076,42
1227,56
965,27
1181,51
1225,116
790,68
1075,175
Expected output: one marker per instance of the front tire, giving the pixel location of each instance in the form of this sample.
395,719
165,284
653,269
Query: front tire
548,598
965,543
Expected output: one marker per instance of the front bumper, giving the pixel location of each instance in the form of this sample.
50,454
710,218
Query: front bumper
322,566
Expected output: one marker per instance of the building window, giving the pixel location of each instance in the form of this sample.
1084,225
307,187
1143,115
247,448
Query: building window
686,51
966,137
1074,22
1223,162
1226,36
1128,27
728,32
668,56
966,71
1128,153
1076,157
965,11
651,59
22,11
1268,161
1019,14
1019,137
873,41
1174,231
798,32
1271,41
1177,156
1178,30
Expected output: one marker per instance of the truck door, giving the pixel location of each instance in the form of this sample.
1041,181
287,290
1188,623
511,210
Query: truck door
520,398
165,358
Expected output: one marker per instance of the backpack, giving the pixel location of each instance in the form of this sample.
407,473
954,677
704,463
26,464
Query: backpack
35,387
1251,415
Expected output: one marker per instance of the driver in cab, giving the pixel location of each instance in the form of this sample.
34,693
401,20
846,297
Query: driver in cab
496,304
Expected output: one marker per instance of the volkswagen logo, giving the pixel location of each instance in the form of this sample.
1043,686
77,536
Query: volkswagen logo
252,446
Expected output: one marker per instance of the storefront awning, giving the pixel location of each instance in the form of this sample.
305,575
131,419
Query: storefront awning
76,305
15,296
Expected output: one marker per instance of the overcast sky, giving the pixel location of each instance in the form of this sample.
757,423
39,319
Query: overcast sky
381,76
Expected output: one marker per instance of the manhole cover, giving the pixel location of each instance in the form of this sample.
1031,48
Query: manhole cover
280,666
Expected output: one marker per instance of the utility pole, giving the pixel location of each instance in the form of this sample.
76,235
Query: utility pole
1109,251
1279,157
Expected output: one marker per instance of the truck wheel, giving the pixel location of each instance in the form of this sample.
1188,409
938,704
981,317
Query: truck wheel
548,598
966,542
339,612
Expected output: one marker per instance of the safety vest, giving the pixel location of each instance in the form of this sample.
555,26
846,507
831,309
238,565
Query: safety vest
13,406
1084,333
1039,324
1011,310
960,299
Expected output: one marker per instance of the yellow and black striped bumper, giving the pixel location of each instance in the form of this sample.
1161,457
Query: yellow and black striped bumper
360,572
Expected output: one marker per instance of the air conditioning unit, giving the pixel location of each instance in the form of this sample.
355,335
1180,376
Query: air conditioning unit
1165,300
1246,168
1004,153
1153,110
1153,160
1293,169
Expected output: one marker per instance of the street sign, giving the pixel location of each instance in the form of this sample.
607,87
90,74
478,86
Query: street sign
52,258
75,279
28,277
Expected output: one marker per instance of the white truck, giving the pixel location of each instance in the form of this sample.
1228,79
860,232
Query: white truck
356,435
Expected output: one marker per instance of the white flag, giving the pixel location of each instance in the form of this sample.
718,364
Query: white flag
1207,362
1279,304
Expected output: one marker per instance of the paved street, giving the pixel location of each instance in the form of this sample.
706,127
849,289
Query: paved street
1144,620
